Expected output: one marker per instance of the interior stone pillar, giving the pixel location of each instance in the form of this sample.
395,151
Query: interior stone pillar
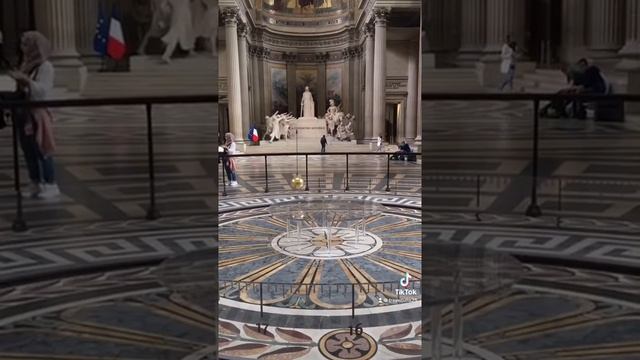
631,50
504,18
291,86
474,30
244,76
605,30
380,71
368,81
55,19
321,91
234,93
87,17
412,94
574,38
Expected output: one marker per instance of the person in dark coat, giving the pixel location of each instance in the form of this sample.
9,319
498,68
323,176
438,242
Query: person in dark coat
323,143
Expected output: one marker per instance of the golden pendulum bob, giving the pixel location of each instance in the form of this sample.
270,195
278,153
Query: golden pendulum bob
297,183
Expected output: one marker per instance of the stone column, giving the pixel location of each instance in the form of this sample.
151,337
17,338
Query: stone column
321,92
504,18
368,82
291,85
412,94
234,92
605,30
380,71
474,30
574,43
244,76
86,13
631,50
55,19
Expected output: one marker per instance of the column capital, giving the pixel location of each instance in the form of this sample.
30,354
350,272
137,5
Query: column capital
369,29
381,16
230,15
243,31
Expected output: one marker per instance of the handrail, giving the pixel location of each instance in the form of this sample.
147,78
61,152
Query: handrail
257,283
528,96
319,153
19,223
179,99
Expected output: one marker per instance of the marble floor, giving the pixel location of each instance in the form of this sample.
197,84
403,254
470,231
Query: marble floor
82,282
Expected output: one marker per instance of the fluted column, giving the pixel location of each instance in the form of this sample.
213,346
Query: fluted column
55,19
474,30
606,26
574,38
244,76
368,82
233,81
631,50
412,93
86,13
380,71
504,18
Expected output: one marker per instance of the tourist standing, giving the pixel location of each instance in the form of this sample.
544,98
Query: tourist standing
230,165
379,144
323,143
508,64
35,126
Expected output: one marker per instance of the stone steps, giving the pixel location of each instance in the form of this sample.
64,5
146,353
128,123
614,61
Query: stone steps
149,76
450,80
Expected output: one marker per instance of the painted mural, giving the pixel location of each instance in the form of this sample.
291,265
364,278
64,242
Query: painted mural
334,84
306,77
279,90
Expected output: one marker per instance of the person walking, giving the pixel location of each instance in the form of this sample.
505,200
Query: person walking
35,126
379,144
323,143
230,165
508,64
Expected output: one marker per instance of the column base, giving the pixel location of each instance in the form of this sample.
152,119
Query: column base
93,63
74,78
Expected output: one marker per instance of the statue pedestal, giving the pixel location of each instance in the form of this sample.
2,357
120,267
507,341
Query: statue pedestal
309,127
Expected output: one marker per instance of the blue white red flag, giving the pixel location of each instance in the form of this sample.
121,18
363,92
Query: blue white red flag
253,135
116,46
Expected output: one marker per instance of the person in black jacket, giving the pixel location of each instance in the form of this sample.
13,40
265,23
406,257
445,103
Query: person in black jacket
323,143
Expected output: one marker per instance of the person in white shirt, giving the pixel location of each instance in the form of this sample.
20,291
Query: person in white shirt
379,143
230,165
35,79
508,64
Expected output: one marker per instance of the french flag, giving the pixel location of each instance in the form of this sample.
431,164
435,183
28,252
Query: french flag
253,135
116,46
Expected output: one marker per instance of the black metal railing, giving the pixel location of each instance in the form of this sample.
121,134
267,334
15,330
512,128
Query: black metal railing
384,291
533,209
19,223
388,155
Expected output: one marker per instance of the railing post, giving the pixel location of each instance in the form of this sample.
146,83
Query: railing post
19,225
353,301
224,174
266,175
152,212
346,188
306,171
261,310
534,209
388,172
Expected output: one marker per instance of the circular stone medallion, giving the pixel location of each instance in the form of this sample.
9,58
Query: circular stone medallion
312,243
342,344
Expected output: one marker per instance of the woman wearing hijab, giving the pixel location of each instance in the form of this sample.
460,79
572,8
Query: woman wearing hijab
35,80
230,165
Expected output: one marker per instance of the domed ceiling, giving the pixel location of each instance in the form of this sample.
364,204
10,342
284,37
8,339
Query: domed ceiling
304,7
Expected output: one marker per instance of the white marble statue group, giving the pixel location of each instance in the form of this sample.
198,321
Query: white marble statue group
338,124
278,125
181,22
